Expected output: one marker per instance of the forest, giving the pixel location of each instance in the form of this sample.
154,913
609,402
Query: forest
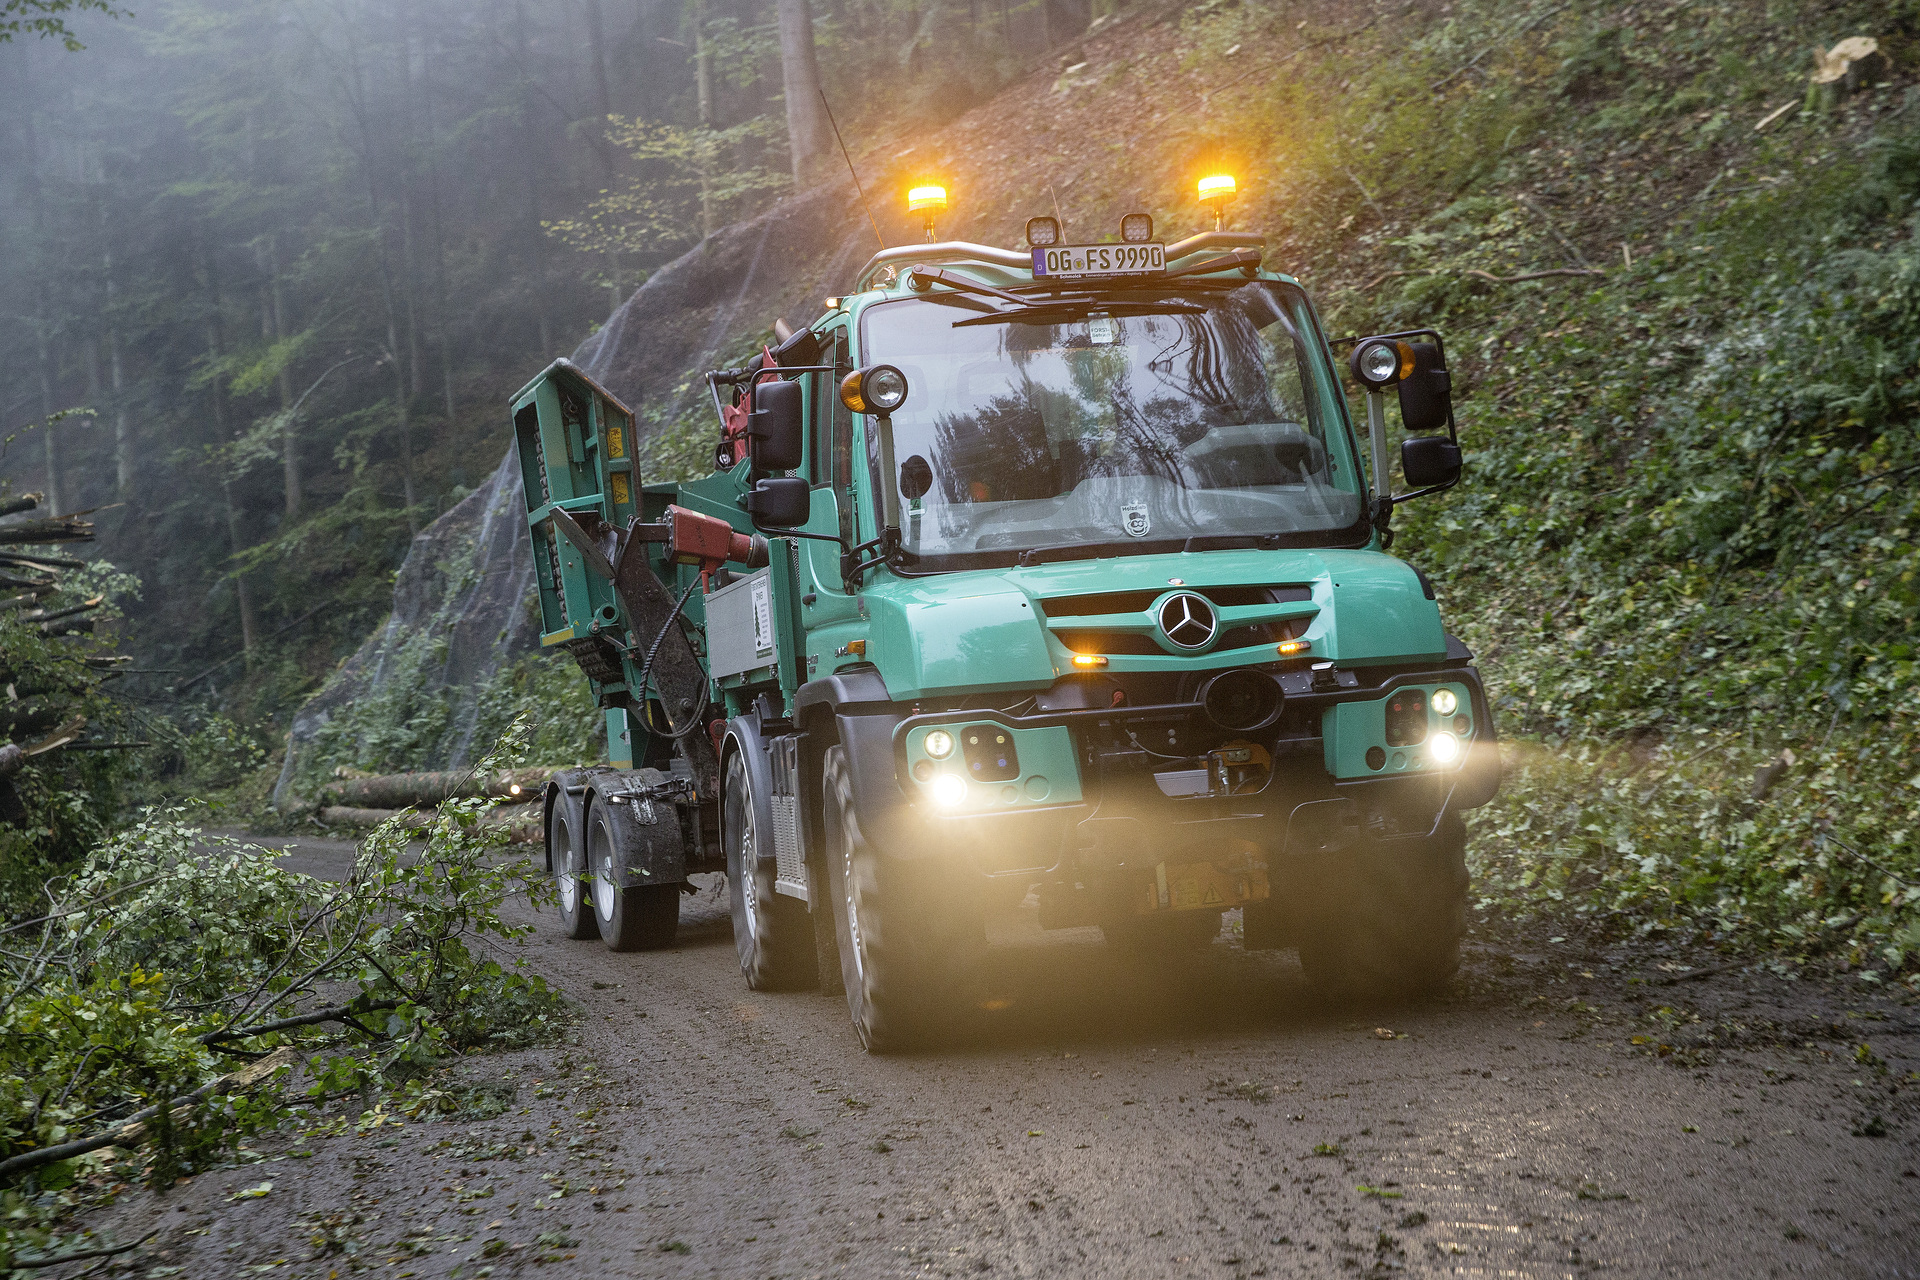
271,269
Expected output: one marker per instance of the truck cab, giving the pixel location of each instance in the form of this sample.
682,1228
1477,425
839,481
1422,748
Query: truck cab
1053,571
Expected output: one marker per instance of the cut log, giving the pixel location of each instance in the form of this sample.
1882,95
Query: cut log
522,821
37,532
398,790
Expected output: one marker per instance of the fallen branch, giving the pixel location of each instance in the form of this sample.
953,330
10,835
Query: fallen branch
133,1129
1488,276
25,502
1471,63
339,1013
29,1264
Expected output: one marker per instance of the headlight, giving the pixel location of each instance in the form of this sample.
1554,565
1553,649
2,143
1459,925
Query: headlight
1444,702
939,744
949,791
1445,748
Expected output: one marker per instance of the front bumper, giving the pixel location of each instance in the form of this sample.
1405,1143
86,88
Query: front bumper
1131,786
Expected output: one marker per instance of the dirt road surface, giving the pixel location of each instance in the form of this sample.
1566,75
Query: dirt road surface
1201,1116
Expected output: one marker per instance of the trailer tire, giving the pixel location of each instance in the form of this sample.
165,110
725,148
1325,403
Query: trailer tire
644,917
566,855
772,932
912,936
1389,917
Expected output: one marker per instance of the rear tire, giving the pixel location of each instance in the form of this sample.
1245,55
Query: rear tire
772,932
566,854
912,934
632,918
1389,917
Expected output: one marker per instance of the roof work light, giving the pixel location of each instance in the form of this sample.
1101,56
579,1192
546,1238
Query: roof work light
1217,189
928,202
1136,228
1043,233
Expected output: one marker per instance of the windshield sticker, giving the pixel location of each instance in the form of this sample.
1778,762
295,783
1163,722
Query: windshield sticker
1100,329
1134,519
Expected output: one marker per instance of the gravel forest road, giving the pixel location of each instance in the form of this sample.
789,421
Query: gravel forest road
1201,1116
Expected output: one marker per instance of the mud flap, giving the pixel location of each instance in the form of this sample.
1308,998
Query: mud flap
652,827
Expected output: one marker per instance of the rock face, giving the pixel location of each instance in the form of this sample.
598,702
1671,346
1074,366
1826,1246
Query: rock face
463,601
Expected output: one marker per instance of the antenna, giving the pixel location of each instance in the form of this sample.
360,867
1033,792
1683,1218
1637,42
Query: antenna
856,177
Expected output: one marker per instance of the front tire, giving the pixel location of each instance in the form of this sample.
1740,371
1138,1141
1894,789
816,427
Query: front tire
566,854
772,932
1390,917
912,935
631,918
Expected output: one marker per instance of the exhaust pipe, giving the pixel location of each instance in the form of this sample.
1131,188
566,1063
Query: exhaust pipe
1241,700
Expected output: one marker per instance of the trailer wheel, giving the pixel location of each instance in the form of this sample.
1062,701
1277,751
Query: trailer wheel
772,932
566,854
912,938
643,917
1389,918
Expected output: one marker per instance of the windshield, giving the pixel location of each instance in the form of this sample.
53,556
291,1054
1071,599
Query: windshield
1109,427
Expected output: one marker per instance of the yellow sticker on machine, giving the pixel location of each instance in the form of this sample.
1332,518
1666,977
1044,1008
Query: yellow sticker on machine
616,444
1200,886
622,492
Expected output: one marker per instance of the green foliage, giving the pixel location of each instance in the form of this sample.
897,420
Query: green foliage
45,19
1686,538
154,963
685,183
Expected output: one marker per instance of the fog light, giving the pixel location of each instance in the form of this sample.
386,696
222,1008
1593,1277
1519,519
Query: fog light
1445,748
1444,702
949,791
939,744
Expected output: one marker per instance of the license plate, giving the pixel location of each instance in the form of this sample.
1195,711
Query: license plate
1100,260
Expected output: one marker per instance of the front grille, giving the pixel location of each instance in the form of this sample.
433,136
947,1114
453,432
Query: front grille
1139,601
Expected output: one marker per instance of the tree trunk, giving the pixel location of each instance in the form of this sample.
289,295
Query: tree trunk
55,502
123,459
806,121
277,317
703,84
243,598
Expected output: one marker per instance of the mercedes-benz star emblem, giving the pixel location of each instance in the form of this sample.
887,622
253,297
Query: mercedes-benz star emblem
1187,620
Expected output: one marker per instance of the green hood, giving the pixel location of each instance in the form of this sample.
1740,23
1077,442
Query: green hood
985,631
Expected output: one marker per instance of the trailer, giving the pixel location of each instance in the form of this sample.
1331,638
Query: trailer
1053,570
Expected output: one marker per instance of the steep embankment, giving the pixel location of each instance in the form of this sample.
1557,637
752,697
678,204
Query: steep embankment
1683,306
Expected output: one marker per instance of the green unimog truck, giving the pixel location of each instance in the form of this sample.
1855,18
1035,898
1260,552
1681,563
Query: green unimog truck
1050,571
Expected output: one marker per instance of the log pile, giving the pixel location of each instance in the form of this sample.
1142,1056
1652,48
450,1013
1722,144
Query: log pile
39,709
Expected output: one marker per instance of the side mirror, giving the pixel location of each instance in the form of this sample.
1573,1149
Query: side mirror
775,428
1428,461
916,477
783,502
1426,394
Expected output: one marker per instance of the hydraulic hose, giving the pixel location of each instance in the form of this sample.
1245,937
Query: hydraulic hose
646,672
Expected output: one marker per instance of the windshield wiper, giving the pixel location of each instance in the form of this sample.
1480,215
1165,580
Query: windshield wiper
1070,306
